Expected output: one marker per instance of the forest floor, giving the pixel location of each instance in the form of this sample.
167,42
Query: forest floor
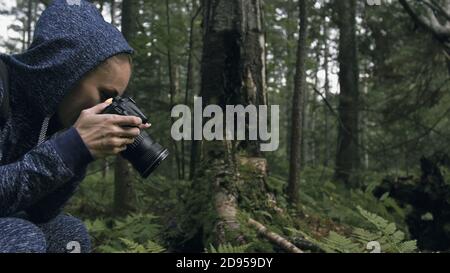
331,217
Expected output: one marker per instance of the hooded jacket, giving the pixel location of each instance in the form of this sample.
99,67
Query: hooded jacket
40,170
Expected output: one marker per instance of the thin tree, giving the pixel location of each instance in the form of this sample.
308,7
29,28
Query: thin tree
297,102
188,90
173,86
123,176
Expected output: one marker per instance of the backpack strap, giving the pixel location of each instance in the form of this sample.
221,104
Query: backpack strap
4,104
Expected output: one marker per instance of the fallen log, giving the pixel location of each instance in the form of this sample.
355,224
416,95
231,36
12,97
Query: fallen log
273,237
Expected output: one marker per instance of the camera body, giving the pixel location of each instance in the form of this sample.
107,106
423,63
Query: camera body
125,107
145,154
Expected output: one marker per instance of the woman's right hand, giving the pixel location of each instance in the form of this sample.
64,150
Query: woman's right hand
106,134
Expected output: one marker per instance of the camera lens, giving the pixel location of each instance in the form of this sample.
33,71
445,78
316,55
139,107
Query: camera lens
145,154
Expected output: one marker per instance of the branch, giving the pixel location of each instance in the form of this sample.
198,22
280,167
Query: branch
431,23
273,237
327,103
444,12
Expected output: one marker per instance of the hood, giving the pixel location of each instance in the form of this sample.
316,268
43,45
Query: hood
71,38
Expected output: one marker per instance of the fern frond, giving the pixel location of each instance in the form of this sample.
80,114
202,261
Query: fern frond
385,233
152,247
133,247
339,243
390,238
228,248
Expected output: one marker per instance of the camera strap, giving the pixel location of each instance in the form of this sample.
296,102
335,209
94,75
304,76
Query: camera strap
4,107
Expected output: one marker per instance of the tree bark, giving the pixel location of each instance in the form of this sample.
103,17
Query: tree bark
347,157
233,73
123,176
188,91
290,73
29,21
123,187
113,12
326,87
273,237
297,103
173,88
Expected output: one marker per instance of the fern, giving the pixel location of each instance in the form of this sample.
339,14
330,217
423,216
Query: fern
141,233
338,243
132,247
149,247
385,233
390,238
153,247
96,226
334,243
228,248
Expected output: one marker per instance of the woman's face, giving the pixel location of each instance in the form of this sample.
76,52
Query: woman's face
109,80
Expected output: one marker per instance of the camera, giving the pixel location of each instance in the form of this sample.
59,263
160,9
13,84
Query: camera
145,154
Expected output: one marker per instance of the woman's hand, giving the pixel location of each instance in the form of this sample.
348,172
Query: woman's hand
105,135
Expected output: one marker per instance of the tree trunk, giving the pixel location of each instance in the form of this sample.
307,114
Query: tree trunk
347,158
102,5
233,73
297,102
195,157
313,113
105,168
305,119
24,35
188,92
173,88
123,178
290,67
29,21
113,12
123,187
326,57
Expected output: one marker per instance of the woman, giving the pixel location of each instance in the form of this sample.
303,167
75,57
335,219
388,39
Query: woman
52,127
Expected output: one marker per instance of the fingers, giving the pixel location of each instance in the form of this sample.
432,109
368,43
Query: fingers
145,126
123,120
119,150
113,146
127,132
99,108
117,142
117,119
